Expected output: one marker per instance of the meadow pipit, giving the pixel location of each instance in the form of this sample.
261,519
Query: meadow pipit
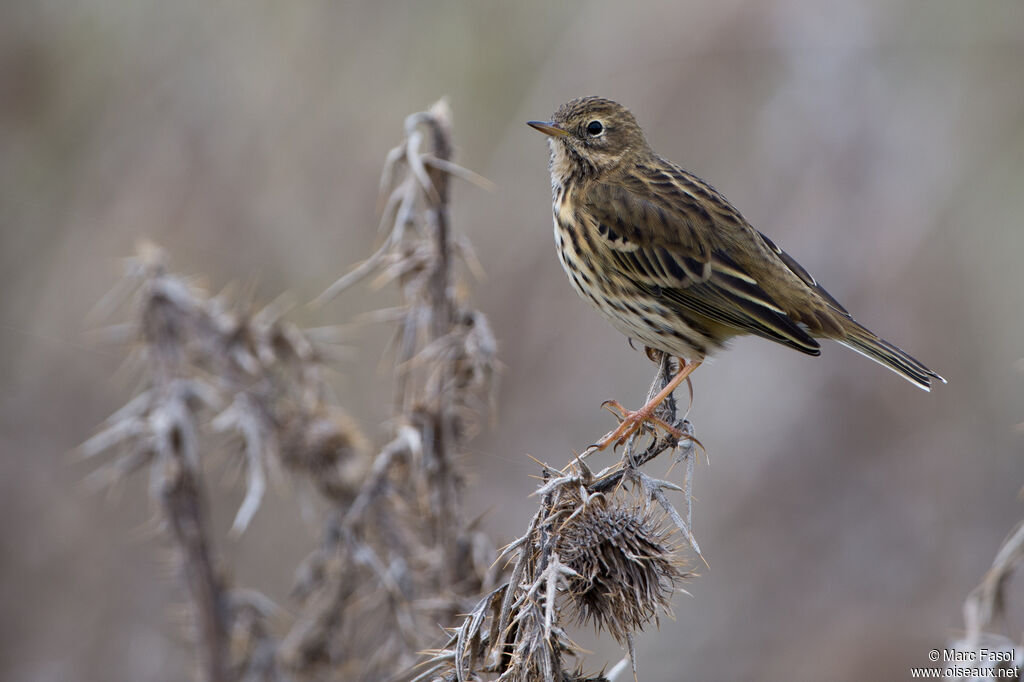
670,262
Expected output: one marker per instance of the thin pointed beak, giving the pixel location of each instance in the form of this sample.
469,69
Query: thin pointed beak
548,128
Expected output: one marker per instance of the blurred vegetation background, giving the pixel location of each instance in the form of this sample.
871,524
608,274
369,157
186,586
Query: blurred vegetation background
845,515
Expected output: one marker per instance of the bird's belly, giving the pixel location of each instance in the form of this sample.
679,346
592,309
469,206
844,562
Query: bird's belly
630,309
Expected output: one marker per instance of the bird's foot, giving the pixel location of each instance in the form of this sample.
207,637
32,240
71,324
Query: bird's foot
632,421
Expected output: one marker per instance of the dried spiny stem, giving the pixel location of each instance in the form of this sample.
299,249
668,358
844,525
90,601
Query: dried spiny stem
401,535
600,550
183,505
213,366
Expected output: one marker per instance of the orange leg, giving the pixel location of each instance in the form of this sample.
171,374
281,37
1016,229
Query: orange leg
632,420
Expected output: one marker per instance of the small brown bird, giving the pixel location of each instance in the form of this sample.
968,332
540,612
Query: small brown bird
671,263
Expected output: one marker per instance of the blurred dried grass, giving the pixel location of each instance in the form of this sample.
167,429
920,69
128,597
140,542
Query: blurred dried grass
880,143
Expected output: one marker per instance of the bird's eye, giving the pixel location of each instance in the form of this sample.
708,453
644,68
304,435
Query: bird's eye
594,128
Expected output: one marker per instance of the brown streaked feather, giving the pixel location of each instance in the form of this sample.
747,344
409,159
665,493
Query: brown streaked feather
869,344
807,278
682,258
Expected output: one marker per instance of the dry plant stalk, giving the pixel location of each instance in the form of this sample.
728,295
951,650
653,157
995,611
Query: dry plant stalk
984,611
600,550
213,368
400,558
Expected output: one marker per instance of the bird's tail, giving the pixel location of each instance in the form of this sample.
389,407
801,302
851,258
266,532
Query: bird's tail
865,342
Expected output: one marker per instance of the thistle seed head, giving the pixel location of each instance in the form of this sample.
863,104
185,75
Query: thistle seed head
626,567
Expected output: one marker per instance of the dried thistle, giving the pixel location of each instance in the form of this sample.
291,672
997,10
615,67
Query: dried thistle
213,367
326,446
595,552
398,557
625,567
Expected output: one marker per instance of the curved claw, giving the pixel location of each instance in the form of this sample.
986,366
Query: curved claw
615,408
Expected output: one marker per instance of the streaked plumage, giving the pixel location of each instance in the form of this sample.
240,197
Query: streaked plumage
670,262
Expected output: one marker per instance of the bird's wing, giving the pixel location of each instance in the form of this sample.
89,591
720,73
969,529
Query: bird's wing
800,272
662,238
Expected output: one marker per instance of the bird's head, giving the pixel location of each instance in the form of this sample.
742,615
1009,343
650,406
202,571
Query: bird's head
591,136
